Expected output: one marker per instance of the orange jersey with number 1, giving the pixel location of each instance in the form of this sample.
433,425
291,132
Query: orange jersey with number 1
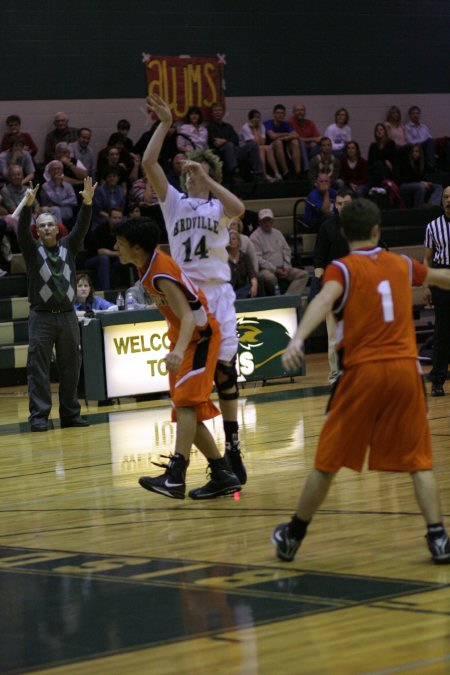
374,313
379,401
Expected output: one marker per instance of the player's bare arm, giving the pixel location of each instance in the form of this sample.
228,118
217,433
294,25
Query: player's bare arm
313,317
180,306
438,277
150,164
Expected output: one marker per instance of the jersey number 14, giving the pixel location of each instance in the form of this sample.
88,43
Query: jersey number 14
200,250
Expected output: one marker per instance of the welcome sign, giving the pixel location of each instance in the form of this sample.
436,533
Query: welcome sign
135,353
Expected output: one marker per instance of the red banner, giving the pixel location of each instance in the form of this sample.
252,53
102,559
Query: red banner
183,81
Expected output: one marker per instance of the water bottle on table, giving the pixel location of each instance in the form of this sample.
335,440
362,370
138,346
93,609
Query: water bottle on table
120,302
130,300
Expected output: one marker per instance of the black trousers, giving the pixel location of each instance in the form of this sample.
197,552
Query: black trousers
45,331
441,338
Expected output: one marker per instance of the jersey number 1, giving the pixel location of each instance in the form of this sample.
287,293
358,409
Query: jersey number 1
387,303
200,250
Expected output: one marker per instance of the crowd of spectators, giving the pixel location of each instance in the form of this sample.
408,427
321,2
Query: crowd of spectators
401,157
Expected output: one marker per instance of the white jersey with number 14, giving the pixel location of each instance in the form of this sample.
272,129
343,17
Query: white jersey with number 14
198,236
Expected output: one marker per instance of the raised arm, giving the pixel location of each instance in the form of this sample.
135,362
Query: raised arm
78,232
150,164
24,235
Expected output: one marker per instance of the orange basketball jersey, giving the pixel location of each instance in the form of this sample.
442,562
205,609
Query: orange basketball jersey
162,266
374,313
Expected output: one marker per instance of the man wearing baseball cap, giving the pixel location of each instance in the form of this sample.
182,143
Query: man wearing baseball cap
274,257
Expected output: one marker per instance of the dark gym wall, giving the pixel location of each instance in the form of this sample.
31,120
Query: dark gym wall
91,49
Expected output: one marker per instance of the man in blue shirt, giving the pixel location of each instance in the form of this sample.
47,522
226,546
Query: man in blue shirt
319,202
284,140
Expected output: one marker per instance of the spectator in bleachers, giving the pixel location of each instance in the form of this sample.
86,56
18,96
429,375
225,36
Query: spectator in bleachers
61,133
134,210
274,258
382,157
396,130
169,147
142,193
86,300
417,132
243,274
285,142
331,245
254,130
123,128
319,203
192,134
57,192
354,170
224,141
325,162
74,174
412,179
116,156
174,174
5,249
82,153
108,195
102,255
339,133
307,133
17,155
14,190
13,122
11,195
236,225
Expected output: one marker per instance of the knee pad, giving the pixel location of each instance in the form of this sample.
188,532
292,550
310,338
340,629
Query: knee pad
227,381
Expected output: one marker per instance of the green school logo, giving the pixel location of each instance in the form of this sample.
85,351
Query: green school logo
261,344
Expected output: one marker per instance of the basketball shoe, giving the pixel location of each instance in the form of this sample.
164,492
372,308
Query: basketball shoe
439,549
223,482
234,458
172,483
286,547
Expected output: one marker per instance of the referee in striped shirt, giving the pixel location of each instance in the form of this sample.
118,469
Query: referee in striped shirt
437,254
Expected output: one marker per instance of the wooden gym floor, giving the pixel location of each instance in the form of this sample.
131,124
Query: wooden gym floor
99,576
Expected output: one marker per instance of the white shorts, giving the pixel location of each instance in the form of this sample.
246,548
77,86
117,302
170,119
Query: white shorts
221,298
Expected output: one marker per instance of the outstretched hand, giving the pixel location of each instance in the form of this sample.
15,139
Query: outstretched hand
159,107
88,191
31,194
294,355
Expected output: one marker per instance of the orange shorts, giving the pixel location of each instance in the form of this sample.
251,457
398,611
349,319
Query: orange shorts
192,384
381,406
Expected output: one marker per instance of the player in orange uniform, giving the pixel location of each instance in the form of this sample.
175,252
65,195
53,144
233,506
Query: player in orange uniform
195,338
379,399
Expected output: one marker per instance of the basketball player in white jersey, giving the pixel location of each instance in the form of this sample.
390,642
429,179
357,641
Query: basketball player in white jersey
196,224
